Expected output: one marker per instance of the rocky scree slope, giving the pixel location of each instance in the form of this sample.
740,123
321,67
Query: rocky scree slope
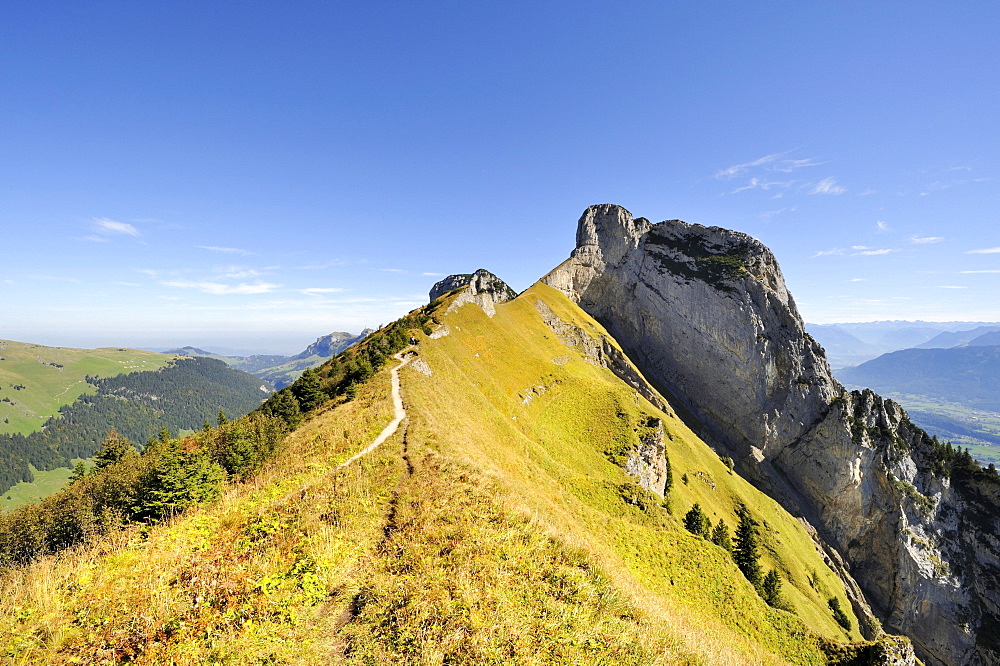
706,315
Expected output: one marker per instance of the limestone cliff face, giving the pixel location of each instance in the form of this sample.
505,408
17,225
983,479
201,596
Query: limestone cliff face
482,287
706,316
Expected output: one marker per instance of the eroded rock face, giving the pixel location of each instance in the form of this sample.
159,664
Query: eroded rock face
482,287
648,462
706,316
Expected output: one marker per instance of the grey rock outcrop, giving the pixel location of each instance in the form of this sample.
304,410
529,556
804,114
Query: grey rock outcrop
648,462
705,314
482,287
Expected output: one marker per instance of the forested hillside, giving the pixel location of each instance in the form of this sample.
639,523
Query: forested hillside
182,395
35,380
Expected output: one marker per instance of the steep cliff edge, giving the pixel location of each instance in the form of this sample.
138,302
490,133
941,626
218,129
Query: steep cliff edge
705,314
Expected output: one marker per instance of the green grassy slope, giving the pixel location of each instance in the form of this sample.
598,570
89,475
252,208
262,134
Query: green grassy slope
551,454
44,483
54,376
486,530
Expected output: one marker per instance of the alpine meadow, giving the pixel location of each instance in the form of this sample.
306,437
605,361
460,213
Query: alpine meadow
481,334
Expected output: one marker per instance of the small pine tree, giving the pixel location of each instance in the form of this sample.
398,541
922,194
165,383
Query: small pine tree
285,406
309,391
838,613
720,536
698,523
746,549
771,589
222,419
79,471
183,477
114,449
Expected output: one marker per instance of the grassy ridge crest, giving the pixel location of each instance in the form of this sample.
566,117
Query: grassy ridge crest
489,529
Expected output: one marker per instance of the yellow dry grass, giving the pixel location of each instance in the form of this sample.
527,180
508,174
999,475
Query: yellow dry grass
490,529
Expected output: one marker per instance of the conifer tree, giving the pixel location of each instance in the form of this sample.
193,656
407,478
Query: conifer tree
79,471
746,549
308,390
698,523
720,536
114,449
183,477
285,406
771,588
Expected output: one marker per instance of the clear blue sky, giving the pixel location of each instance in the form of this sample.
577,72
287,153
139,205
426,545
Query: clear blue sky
258,174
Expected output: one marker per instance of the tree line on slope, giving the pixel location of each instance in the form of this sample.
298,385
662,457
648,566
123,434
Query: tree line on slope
125,486
182,395
341,375
172,474
744,547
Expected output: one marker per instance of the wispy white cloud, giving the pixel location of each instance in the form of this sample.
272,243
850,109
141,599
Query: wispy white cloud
988,250
788,166
392,270
763,184
237,272
950,286
433,274
873,253
773,162
858,280
925,240
226,250
991,270
829,253
737,169
218,289
315,291
948,182
107,226
827,186
767,215
882,226
860,247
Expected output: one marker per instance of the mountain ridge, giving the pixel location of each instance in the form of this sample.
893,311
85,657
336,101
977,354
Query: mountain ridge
705,313
529,509
282,370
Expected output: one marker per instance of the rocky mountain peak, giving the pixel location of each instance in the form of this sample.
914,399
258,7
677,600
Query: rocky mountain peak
607,232
332,344
481,287
705,314
688,300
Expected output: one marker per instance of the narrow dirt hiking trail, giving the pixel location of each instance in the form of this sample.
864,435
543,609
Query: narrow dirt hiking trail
397,406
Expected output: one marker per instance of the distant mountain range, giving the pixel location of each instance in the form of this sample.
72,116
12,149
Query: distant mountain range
979,336
969,375
850,344
953,393
283,370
